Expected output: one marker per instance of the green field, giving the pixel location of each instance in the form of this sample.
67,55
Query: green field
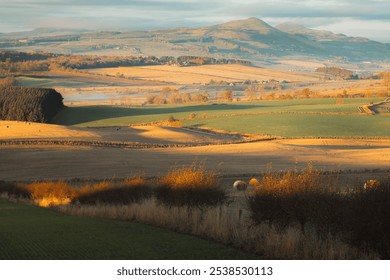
294,125
31,232
286,118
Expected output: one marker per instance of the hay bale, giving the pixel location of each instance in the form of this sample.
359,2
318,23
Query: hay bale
240,185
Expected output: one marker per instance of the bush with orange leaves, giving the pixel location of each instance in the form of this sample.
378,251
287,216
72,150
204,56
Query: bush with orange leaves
48,194
191,186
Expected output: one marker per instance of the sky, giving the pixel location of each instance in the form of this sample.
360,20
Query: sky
364,18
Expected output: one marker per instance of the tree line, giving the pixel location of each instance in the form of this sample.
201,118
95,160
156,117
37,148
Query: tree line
29,104
12,62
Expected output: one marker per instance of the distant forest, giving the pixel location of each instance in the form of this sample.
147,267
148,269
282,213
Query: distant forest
14,62
29,104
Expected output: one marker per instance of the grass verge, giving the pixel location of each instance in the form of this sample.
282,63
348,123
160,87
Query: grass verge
31,232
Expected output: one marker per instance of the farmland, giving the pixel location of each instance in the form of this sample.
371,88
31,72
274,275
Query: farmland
291,118
106,109
108,132
203,74
131,86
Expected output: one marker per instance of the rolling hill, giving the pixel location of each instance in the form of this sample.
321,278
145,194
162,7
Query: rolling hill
251,39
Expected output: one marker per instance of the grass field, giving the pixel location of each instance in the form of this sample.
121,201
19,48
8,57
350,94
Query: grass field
302,125
30,232
286,118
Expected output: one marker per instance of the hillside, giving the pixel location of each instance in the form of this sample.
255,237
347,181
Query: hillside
251,39
339,44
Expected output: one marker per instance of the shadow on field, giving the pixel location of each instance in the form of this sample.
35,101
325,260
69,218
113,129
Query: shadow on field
83,114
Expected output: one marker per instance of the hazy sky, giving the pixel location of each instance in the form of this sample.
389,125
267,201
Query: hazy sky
367,18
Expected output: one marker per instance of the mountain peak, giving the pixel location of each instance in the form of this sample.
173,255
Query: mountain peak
247,24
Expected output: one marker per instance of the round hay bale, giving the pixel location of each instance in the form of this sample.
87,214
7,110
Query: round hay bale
254,183
240,185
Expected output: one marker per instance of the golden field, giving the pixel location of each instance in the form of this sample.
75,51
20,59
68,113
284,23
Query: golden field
203,74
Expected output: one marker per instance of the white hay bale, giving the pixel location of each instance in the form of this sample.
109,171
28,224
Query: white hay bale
239,185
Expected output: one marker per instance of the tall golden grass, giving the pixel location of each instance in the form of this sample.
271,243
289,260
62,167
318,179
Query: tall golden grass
194,176
192,186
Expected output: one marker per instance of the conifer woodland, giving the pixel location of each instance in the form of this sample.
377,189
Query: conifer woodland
29,104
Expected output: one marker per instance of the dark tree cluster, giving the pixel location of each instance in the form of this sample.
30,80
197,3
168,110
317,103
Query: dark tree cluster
15,56
91,61
29,104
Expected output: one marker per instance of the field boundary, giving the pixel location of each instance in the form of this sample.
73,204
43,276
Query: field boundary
113,144
118,144
137,145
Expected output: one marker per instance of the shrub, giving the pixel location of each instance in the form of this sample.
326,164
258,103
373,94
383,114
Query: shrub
172,119
192,116
368,218
296,197
48,194
13,189
128,191
189,186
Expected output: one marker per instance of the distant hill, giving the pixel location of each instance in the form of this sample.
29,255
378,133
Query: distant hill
251,39
355,48
41,32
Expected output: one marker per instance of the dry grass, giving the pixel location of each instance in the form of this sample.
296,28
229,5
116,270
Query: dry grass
194,176
291,181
